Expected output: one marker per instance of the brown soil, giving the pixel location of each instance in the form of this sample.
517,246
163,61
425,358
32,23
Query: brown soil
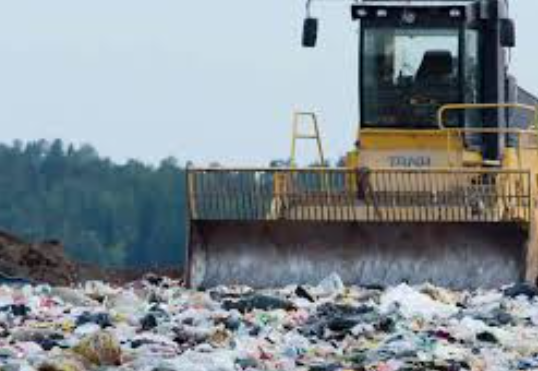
47,262
40,262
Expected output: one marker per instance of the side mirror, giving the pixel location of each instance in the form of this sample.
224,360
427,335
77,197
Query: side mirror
508,33
310,32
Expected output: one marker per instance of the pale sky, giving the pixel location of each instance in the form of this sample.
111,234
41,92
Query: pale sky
199,80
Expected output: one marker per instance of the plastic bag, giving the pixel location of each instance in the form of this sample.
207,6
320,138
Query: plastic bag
216,361
64,362
412,303
331,285
100,348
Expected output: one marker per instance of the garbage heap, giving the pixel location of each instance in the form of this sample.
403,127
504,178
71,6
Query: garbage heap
156,325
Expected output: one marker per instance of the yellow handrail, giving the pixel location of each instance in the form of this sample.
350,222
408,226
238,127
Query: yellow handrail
441,113
484,106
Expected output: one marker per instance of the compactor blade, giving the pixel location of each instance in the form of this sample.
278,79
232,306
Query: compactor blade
460,229
278,254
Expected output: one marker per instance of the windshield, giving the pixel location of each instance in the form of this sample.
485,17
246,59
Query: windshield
407,74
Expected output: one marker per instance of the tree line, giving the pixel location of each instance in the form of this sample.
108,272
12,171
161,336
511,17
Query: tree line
110,214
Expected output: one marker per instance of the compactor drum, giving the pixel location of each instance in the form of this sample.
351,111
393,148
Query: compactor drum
440,188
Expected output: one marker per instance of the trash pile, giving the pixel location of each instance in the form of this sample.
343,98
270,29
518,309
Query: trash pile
154,324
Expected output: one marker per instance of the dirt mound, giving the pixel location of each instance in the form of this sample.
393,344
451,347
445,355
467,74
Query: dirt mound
47,262
35,262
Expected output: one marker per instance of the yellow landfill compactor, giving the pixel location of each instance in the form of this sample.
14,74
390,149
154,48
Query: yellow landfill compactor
441,186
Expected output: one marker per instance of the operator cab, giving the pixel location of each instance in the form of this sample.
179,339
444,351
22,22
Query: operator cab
417,56
415,59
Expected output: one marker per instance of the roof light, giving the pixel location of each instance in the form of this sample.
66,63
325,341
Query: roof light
455,13
382,13
361,12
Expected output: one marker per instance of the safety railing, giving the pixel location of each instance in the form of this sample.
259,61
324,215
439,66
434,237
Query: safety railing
363,195
524,137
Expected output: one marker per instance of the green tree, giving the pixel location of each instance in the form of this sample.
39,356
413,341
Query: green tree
105,213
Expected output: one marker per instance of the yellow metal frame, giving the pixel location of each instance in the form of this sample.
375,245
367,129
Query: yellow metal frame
441,114
298,135
336,195
483,106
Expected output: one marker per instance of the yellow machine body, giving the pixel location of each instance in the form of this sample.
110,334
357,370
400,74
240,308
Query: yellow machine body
434,191
409,205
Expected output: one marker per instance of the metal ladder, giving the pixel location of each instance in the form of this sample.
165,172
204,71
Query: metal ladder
313,134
